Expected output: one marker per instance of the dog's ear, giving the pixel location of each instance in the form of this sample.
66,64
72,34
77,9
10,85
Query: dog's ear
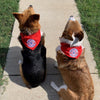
35,17
79,35
18,16
68,35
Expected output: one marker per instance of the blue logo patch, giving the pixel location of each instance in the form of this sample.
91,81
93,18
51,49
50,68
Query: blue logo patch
73,52
31,42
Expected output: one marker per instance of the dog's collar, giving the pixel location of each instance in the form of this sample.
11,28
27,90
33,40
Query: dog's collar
72,49
31,41
72,52
75,41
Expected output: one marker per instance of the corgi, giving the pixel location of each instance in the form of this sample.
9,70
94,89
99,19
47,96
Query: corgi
33,68
72,65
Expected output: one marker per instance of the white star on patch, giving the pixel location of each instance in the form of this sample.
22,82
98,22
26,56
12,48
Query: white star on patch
31,43
73,52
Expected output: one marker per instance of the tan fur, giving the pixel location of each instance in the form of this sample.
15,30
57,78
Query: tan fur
73,27
75,72
25,81
43,39
28,21
67,95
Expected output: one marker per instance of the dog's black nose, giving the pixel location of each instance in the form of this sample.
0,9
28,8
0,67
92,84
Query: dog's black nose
30,6
71,16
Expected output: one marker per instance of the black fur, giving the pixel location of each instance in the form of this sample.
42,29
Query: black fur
34,64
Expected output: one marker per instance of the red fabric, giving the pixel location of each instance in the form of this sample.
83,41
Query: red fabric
31,41
72,52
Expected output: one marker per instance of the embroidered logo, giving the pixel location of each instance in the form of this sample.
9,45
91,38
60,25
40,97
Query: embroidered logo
31,43
73,52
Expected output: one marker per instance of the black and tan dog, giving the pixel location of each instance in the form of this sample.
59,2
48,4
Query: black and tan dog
33,69
72,65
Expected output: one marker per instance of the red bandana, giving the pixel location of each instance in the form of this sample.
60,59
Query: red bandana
31,41
72,52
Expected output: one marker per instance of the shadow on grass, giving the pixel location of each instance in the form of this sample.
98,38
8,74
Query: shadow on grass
3,53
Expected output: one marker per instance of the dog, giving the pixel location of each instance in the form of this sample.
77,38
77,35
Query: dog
33,68
72,65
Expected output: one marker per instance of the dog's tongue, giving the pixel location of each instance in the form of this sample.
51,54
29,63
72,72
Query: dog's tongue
72,18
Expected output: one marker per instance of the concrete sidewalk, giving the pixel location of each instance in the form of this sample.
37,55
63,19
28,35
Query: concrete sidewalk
54,15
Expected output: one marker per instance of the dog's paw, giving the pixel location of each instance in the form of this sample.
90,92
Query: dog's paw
19,62
63,87
54,86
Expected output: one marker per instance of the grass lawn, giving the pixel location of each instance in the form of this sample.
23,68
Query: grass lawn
90,18
6,24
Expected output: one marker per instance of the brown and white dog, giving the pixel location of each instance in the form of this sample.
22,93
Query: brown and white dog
72,65
33,68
